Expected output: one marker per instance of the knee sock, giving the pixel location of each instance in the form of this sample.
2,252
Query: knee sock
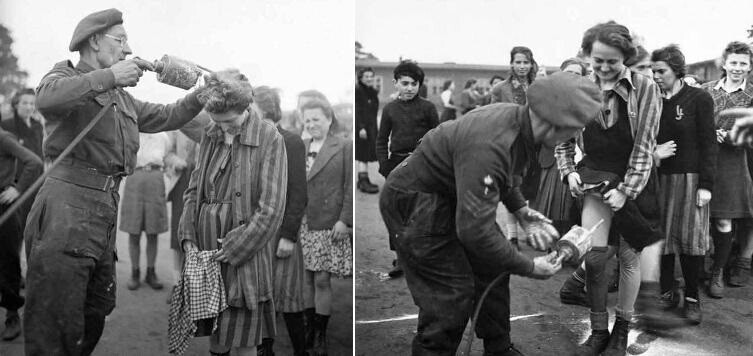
667,273
691,270
722,247
296,331
596,282
630,281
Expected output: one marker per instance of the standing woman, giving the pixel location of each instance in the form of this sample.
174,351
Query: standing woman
450,110
617,147
553,198
523,73
734,190
687,159
235,204
367,106
288,260
468,97
327,225
641,62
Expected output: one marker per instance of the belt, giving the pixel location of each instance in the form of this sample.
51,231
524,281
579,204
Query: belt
86,177
149,167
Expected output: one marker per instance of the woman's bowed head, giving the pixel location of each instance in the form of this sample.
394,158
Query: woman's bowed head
226,96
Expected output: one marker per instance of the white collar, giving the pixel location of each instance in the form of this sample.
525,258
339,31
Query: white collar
720,85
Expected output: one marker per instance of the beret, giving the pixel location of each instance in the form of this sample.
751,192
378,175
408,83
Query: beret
564,100
94,23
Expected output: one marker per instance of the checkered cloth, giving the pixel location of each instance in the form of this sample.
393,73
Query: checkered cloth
199,294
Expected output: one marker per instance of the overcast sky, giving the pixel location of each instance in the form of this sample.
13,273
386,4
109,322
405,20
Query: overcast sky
484,31
291,44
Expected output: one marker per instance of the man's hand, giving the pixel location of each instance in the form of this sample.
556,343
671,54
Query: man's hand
127,73
721,134
742,130
575,184
285,248
703,197
9,195
615,199
340,231
540,233
666,149
544,267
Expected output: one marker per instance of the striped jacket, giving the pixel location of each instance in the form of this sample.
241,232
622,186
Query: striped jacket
644,105
260,185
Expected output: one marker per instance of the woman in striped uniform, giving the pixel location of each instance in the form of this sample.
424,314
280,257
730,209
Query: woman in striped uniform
686,155
234,204
327,227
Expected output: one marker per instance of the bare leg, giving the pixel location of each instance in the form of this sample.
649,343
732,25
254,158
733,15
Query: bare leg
151,250
323,293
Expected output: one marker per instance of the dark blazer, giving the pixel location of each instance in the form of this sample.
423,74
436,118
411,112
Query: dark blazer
297,196
330,185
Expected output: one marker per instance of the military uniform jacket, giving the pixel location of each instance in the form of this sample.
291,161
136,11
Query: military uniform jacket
69,97
472,162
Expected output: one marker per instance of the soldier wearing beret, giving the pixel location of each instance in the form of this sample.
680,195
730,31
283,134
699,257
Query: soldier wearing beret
71,229
440,204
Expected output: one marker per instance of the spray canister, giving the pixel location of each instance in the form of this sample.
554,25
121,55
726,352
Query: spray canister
575,243
177,72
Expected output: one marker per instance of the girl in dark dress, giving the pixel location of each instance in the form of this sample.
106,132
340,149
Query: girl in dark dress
367,106
686,156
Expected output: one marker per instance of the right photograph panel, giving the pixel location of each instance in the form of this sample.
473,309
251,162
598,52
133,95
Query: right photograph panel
536,178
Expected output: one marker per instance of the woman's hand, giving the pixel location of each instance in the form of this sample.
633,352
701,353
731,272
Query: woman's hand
721,134
362,134
615,199
285,248
221,255
666,150
340,231
575,184
189,246
703,197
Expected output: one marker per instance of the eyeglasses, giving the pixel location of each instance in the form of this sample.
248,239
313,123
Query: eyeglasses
123,40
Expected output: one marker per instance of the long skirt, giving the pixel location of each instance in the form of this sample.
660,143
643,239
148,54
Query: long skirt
553,198
685,225
144,204
322,253
289,280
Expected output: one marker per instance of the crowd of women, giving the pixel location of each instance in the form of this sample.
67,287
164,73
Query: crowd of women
273,209
656,165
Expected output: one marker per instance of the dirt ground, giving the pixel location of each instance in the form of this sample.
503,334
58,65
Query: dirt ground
138,325
541,325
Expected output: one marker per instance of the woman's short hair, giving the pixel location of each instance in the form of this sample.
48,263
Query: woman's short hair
674,58
17,96
268,101
640,54
324,105
410,69
226,91
735,47
362,71
446,85
496,76
312,93
575,60
469,83
611,34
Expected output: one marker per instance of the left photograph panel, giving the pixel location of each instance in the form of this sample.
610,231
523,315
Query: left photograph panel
176,177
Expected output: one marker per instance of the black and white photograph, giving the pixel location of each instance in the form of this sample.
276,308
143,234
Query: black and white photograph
175,177
553,178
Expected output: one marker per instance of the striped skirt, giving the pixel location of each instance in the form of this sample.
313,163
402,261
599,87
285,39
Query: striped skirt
553,198
288,281
241,327
686,226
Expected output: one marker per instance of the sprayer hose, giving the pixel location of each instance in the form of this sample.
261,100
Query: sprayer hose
477,311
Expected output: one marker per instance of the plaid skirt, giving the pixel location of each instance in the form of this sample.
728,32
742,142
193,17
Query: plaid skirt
144,204
685,225
288,281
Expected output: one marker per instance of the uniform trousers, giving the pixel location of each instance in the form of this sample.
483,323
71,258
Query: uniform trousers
71,268
444,282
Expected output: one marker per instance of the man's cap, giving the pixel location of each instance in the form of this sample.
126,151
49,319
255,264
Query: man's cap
94,23
564,100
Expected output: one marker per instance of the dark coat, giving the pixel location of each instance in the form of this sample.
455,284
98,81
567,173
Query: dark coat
330,185
297,196
367,106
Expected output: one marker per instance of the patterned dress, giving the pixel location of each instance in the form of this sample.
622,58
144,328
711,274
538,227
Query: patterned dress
237,327
320,251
